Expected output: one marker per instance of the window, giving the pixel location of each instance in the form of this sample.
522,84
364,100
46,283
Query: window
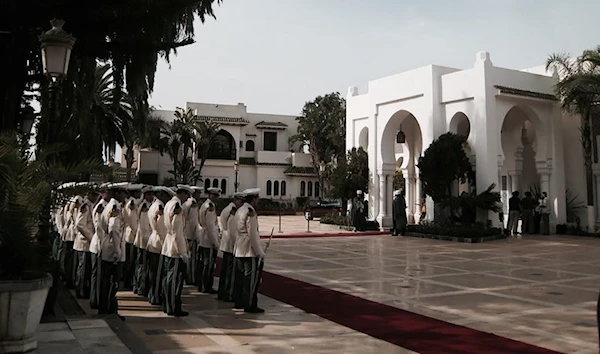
268,187
270,141
317,189
215,183
206,184
276,188
302,189
283,188
310,189
222,147
249,145
223,186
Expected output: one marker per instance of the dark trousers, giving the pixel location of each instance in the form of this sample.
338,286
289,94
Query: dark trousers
140,278
237,290
527,226
84,276
129,265
109,273
67,263
545,224
155,266
208,259
537,218
226,277
174,272
191,266
252,271
94,281
56,248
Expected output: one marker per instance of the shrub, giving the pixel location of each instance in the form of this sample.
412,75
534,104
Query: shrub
340,220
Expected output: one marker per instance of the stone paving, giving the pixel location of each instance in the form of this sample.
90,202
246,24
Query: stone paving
540,289
294,224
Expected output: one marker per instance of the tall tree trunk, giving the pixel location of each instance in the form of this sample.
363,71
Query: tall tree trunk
129,160
587,144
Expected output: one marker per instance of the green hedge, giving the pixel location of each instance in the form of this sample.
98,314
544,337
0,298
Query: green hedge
340,220
455,230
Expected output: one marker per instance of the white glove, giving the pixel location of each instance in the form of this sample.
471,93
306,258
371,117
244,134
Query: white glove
185,258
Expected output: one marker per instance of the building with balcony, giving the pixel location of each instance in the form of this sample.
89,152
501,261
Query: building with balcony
254,144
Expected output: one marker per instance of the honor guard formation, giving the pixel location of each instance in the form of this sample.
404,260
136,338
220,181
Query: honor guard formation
152,239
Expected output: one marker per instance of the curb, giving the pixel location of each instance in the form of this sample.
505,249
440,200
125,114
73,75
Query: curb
332,234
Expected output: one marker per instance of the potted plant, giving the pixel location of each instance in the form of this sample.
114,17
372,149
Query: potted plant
26,198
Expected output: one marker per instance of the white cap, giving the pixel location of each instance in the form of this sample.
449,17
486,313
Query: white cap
213,190
66,185
120,185
251,192
146,189
397,192
197,188
185,188
239,195
164,189
359,192
135,187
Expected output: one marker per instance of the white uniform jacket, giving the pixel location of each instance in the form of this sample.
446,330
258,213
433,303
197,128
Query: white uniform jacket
174,245
112,244
70,226
144,229
207,218
190,215
157,237
85,227
227,243
98,230
131,218
248,240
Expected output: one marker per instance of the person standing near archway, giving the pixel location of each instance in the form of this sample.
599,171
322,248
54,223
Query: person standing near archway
399,213
544,214
358,211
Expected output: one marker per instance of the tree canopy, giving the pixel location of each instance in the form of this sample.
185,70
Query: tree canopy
350,174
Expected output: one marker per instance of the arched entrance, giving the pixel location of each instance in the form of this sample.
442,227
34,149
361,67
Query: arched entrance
363,139
525,165
401,146
461,125
223,147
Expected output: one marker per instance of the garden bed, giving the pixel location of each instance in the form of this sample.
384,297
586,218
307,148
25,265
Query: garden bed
456,233
344,223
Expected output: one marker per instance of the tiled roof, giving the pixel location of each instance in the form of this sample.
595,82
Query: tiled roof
519,92
272,125
226,120
295,170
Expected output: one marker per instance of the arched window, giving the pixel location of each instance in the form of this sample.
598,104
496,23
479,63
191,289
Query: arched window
317,189
206,184
222,147
283,185
215,183
249,145
276,188
268,187
310,189
302,189
223,186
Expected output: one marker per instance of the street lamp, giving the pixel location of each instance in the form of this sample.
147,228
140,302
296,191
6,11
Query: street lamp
56,45
235,169
321,172
56,50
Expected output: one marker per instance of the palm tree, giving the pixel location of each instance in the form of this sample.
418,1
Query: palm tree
579,90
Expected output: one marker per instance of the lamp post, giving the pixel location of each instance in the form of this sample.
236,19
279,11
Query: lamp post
236,184
321,172
56,46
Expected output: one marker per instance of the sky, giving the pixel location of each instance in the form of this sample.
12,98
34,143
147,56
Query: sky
274,55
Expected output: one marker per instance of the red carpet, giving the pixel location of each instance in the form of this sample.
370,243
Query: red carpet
422,334
336,234
409,330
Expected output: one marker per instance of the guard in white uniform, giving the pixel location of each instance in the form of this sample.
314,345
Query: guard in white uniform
190,214
248,250
155,243
175,252
228,237
209,241
85,232
130,219
140,278
112,251
68,261
106,196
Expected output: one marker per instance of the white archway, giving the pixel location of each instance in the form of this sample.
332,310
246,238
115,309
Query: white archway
363,139
408,152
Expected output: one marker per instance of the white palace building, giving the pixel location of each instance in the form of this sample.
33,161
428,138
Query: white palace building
254,144
518,136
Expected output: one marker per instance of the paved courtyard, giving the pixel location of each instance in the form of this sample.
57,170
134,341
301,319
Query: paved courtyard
538,290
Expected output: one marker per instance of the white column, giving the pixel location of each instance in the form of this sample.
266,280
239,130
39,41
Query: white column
417,214
515,179
409,194
382,196
390,192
